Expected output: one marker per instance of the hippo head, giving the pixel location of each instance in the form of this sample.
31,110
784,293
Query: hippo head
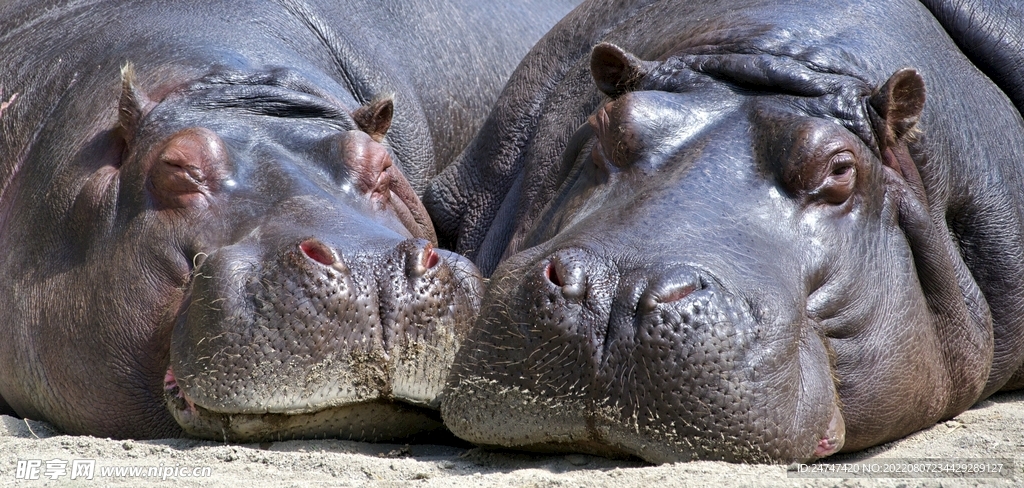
308,299
740,263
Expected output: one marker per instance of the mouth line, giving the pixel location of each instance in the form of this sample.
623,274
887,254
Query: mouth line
186,406
388,420
174,394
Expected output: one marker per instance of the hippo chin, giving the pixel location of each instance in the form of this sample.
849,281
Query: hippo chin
741,232
227,240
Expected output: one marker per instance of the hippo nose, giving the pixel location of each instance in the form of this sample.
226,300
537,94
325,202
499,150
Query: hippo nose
672,285
570,270
420,257
316,250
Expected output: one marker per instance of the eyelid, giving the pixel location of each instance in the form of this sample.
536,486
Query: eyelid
844,154
840,160
839,179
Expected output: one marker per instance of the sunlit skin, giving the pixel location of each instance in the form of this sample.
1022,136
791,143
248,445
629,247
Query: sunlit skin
741,231
211,216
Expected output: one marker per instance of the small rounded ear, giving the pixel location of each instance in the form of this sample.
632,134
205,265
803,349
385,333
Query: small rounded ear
375,117
899,103
615,71
133,104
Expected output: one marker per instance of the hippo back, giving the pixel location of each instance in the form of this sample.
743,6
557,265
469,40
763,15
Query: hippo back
443,61
991,34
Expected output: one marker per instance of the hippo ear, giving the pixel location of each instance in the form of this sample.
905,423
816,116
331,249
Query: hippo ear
899,103
615,71
375,117
133,104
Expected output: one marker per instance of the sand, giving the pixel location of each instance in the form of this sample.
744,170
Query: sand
993,430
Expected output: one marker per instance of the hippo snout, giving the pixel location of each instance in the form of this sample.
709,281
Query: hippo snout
314,336
624,348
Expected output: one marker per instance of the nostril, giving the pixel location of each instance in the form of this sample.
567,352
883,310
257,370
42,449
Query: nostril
430,257
420,257
568,274
668,289
318,251
552,274
677,293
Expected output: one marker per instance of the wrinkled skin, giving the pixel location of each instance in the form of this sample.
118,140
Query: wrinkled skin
747,231
226,239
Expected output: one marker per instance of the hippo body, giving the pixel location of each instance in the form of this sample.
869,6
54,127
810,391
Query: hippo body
741,230
210,211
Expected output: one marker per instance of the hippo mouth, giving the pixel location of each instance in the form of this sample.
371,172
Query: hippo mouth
372,421
309,343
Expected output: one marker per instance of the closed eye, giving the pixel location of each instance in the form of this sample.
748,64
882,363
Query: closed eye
839,184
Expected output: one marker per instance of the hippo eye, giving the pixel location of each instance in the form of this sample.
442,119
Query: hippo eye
839,183
187,168
616,142
367,164
381,191
602,166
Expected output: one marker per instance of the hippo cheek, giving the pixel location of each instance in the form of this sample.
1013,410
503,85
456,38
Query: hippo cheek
685,370
311,343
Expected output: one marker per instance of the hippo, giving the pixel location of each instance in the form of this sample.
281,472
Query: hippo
211,217
742,231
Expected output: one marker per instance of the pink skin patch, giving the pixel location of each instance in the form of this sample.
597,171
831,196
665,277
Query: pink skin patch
430,257
171,387
679,294
826,447
834,437
169,382
317,251
4,105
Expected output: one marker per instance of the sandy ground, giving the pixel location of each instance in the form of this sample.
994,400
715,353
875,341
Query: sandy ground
992,430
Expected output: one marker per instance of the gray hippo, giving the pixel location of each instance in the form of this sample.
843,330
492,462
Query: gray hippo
748,231
209,211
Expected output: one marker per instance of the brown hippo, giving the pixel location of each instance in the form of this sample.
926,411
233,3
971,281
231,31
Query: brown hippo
743,230
209,210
